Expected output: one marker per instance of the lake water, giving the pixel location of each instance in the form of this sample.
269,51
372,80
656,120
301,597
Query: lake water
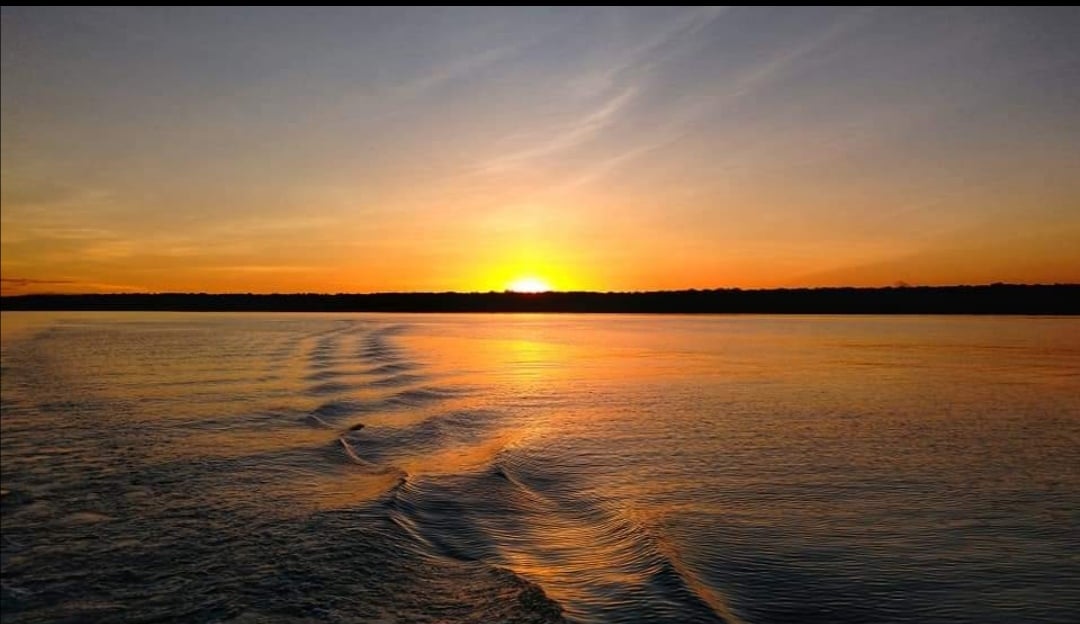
536,468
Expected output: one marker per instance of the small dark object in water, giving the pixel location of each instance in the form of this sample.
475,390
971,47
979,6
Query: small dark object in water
356,427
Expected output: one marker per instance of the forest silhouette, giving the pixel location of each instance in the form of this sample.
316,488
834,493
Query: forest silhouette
1057,299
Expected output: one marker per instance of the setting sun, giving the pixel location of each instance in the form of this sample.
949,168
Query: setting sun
529,285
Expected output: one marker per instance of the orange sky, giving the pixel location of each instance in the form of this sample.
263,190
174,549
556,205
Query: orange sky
610,149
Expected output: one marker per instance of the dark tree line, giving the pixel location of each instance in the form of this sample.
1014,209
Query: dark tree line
990,299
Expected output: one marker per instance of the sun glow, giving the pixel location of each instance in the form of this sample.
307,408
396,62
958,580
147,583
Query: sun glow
529,285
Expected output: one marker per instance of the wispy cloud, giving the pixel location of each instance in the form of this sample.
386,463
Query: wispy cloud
778,64
26,281
617,85
452,70
261,268
710,98
573,134
603,167
664,41
10,286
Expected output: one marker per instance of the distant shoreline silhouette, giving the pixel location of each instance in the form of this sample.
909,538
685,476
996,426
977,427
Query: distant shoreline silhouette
1057,299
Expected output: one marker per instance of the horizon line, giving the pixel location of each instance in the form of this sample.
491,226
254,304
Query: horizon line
897,286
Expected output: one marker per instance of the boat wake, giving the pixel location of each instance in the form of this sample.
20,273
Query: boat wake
372,478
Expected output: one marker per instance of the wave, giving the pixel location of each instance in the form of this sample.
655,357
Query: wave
391,369
599,564
328,388
403,379
420,396
324,375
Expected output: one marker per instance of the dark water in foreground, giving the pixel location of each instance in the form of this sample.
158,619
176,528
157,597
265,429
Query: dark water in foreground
472,468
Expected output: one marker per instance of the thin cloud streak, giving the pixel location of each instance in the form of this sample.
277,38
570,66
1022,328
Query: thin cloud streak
641,59
569,136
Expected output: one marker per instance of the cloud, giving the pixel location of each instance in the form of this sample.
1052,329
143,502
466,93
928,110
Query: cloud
26,281
680,118
569,136
11,286
611,89
453,70
261,268
656,47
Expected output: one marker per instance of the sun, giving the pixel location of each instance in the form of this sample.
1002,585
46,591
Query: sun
529,285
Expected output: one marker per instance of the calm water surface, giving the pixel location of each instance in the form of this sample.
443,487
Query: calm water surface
539,468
